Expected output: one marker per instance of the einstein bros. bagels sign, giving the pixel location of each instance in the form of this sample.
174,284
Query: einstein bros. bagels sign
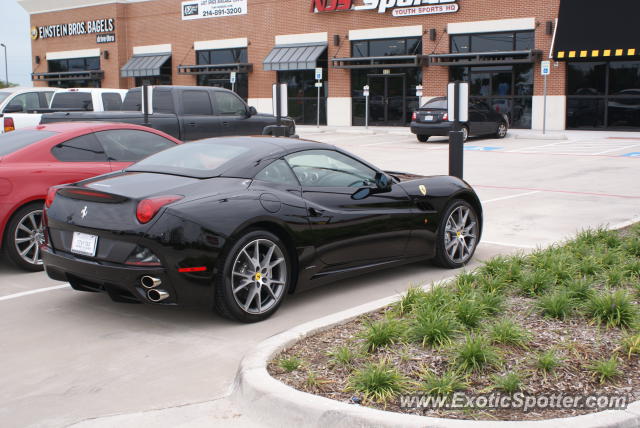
397,7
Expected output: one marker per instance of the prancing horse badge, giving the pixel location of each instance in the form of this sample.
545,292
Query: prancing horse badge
423,189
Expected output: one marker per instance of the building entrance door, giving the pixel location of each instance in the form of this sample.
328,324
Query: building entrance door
387,103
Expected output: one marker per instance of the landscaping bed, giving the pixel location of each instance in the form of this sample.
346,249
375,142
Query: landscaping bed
564,320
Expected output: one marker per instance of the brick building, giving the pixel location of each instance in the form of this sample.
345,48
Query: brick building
393,46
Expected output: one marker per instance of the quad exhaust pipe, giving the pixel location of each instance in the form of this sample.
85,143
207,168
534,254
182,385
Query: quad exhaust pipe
150,282
157,295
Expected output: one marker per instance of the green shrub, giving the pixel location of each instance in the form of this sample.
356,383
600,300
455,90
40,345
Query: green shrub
475,353
382,333
605,370
507,332
509,383
556,305
377,382
441,385
548,361
433,327
612,309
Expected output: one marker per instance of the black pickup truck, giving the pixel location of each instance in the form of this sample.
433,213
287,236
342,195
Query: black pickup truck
186,112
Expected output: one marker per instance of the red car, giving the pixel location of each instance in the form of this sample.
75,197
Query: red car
34,159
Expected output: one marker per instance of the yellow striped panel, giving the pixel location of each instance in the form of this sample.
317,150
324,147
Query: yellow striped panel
595,53
583,54
631,52
561,54
619,52
607,52
572,54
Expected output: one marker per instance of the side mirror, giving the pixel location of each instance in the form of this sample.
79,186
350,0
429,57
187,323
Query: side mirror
383,182
252,111
13,108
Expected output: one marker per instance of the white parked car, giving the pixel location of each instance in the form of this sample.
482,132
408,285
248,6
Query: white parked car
17,101
72,99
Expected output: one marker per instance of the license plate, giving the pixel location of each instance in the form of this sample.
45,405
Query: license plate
84,244
428,117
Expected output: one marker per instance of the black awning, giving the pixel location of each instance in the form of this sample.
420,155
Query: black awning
68,75
144,65
215,68
392,61
485,58
294,57
589,29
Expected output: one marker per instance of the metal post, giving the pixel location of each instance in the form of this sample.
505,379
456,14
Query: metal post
233,87
366,112
544,109
456,142
145,103
6,64
278,106
318,118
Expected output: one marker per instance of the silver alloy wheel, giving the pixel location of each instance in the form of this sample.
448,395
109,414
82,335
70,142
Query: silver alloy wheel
460,235
465,134
28,237
502,130
259,276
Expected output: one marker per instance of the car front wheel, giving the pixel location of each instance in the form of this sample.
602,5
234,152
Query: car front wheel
23,237
423,138
501,132
255,278
457,235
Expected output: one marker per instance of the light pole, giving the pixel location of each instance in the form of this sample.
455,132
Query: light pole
6,64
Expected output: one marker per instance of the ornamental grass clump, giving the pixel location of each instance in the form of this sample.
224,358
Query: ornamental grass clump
433,327
444,384
290,364
469,311
509,383
631,344
378,382
548,361
342,356
605,370
410,300
614,309
475,353
507,332
535,283
555,305
382,333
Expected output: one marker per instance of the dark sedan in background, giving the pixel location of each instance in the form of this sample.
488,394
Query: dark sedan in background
432,119
236,223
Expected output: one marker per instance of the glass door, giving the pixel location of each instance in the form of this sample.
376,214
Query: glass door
387,103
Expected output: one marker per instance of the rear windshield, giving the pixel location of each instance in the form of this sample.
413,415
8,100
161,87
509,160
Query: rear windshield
15,140
162,101
72,100
198,159
437,103
4,95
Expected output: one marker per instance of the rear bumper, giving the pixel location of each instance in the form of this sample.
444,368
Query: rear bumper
121,282
438,129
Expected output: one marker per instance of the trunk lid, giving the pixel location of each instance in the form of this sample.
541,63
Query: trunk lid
428,115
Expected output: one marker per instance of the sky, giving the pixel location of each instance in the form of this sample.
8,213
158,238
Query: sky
14,33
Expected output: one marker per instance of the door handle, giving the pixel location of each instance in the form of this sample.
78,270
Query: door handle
225,123
315,212
191,124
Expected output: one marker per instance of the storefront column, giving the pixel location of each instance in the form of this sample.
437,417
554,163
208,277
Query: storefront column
339,101
556,100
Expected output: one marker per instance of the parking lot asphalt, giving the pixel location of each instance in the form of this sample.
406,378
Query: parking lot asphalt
71,357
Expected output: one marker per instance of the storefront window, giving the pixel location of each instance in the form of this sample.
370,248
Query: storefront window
386,47
303,94
603,95
493,42
507,89
76,65
223,78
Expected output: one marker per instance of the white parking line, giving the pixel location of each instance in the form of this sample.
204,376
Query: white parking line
511,196
505,244
617,148
39,290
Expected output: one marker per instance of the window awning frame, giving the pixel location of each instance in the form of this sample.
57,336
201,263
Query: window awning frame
298,56
391,61
485,58
201,69
68,75
145,65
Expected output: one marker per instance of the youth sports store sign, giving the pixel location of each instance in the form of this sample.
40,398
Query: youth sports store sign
213,8
397,7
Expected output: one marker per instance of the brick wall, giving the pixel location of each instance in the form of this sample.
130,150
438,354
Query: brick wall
159,22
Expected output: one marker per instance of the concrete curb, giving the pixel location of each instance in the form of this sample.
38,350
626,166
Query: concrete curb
269,401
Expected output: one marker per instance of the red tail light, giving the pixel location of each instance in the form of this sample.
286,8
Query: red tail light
9,125
445,116
51,195
148,208
414,116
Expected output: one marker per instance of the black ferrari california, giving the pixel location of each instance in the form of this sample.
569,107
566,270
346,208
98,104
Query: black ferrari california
236,223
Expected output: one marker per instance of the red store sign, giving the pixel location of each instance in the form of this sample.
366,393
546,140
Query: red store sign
398,7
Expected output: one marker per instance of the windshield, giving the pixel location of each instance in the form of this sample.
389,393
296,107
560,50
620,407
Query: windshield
198,159
72,100
440,103
13,141
3,96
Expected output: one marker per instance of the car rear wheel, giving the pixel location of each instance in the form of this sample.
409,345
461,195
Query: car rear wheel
254,279
465,133
457,235
23,237
501,132
423,138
